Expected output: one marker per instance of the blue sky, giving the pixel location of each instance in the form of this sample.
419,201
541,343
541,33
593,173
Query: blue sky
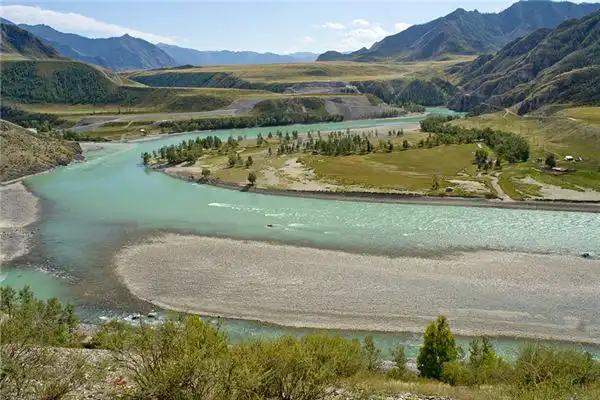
279,26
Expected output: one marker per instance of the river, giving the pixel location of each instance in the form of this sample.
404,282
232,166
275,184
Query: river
90,210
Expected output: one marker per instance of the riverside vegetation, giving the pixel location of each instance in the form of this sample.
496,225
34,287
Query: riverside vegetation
430,161
46,355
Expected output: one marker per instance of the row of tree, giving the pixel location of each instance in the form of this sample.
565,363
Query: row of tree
190,150
246,122
507,145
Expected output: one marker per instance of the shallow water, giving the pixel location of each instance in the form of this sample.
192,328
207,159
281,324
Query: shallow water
91,209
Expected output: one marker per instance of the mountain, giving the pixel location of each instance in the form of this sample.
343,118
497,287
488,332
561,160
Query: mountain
17,42
184,56
546,66
115,53
468,32
23,152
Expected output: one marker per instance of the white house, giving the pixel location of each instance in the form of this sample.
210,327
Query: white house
569,158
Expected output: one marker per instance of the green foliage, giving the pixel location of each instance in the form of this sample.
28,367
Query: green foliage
27,369
539,365
40,121
371,354
36,321
252,177
248,121
482,366
507,145
550,160
438,348
481,157
205,173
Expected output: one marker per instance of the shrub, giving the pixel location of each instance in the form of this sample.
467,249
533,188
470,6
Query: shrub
561,368
180,359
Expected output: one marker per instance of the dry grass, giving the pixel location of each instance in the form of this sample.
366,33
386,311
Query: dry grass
324,71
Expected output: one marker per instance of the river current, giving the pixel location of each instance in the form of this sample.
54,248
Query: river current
89,210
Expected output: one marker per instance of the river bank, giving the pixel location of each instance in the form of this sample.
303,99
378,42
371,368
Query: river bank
399,198
484,292
19,208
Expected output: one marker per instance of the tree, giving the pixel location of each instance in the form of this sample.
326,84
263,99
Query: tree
551,160
249,162
270,151
439,347
146,157
435,185
231,160
481,157
405,144
498,163
205,173
371,353
252,177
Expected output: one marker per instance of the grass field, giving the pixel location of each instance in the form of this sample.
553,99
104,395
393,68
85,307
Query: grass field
569,131
411,170
322,71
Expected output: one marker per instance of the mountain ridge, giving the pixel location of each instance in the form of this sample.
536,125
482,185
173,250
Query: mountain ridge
115,53
187,56
544,67
18,42
468,32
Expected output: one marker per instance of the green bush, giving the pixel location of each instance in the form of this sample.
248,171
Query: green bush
561,368
482,366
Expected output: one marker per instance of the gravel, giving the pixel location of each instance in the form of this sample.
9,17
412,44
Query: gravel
485,292
18,209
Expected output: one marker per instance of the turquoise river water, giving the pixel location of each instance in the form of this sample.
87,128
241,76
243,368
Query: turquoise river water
91,209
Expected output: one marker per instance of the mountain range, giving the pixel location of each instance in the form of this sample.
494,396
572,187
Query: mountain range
128,53
185,56
468,32
547,66
115,53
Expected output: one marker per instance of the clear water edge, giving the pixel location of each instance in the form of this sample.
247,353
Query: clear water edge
91,209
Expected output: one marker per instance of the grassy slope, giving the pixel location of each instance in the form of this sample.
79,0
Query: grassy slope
23,153
570,131
321,71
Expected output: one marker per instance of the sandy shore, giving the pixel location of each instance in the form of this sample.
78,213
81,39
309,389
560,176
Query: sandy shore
497,293
18,209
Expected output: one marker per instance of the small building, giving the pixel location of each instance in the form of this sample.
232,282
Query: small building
569,158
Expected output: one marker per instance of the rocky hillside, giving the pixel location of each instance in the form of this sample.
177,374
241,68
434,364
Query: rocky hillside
468,32
547,66
115,53
23,152
17,42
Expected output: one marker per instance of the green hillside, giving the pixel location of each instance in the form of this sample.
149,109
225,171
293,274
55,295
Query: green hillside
74,83
558,66
16,43
23,152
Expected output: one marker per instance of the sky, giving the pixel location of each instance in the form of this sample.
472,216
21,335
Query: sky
283,26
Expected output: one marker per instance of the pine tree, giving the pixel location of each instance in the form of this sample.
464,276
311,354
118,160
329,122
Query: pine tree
439,347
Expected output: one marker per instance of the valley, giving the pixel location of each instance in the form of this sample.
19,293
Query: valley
317,215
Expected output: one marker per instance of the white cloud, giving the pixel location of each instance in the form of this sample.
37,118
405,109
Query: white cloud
307,39
333,25
362,34
401,26
361,22
74,23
